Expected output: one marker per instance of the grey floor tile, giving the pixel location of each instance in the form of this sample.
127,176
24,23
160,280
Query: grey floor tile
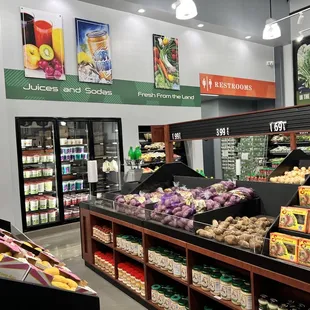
66,246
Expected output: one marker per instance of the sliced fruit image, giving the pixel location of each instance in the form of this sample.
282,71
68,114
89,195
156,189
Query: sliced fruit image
46,52
84,57
58,44
31,57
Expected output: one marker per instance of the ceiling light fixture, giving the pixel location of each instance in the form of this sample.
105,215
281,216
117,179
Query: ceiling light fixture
301,34
300,18
141,11
200,25
300,37
174,5
248,37
186,9
272,29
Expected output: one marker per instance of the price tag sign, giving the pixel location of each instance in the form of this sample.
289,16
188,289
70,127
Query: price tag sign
176,136
222,132
279,126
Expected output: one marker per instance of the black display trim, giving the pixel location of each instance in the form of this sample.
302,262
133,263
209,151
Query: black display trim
246,124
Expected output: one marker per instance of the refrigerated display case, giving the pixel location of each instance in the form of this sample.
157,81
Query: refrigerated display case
52,160
38,173
74,153
107,141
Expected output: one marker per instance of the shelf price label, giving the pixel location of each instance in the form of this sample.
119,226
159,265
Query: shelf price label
278,126
222,132
176,136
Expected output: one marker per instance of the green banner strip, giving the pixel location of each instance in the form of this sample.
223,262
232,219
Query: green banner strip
121,92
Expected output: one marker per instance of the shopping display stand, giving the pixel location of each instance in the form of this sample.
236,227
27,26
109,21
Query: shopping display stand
266,274
33,296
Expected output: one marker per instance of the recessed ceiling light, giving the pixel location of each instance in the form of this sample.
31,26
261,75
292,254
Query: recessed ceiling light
200,25
141,11
248,37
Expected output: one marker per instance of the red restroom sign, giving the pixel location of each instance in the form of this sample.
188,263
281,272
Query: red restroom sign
231,86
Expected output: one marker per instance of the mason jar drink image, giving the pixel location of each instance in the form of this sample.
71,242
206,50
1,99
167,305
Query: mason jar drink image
98,44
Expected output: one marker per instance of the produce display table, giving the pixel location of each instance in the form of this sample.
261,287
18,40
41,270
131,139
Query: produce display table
266,274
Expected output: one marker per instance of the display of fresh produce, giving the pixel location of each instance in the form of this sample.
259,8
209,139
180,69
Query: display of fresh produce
176,206
155,146
248,233
303,138
153,156
281,150
296,176
280,138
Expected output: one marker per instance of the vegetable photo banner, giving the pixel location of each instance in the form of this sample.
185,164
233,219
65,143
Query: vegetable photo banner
166,62
301,61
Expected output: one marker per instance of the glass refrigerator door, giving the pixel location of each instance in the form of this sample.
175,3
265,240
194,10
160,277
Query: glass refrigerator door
39,173
107,154
74,153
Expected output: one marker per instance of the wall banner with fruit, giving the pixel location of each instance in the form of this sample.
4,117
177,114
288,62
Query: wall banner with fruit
93,52
43,44
301,61
166,62
120,92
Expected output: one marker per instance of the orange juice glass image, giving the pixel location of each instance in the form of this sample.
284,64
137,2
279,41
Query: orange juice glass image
43,32
97,40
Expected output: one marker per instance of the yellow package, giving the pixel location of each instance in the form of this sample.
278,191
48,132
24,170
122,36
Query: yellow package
304,252
294,218
304,195
284,247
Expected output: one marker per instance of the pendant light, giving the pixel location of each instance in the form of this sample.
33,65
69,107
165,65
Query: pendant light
272,29
186,9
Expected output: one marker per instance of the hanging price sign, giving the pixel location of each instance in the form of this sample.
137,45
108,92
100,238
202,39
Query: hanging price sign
176,136
222,132
279,126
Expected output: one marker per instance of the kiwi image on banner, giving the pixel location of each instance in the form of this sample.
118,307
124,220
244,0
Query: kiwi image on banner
43,44
93,52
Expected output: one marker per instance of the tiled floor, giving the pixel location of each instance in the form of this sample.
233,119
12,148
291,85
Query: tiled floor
66,246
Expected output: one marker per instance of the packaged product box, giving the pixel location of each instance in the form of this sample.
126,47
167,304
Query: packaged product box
10,266
284,247
304,252
304,195
293,218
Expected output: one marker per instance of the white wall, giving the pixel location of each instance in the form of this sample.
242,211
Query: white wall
132,60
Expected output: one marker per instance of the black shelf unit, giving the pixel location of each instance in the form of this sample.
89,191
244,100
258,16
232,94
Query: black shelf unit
51,142
179,149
